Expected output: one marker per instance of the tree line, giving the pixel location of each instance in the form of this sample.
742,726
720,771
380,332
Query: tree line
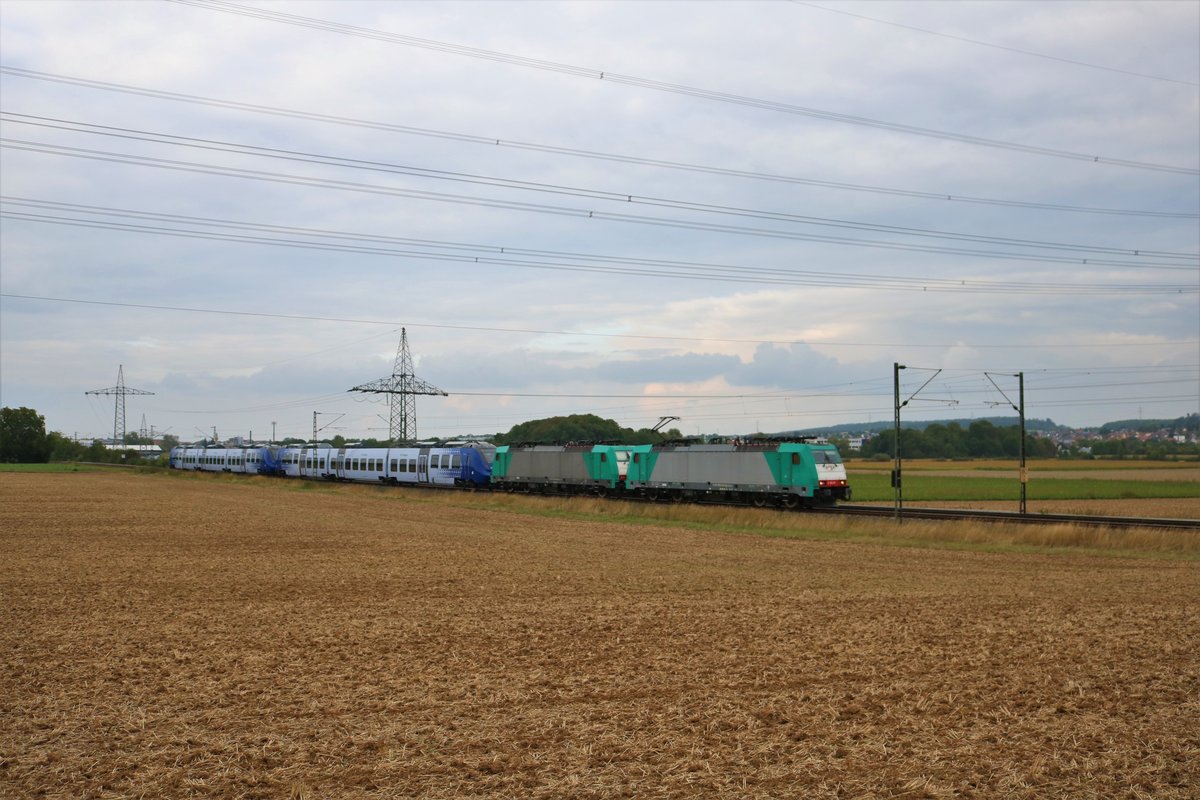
981,439
24,440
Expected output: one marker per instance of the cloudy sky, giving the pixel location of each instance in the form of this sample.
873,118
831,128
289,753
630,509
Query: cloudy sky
741,214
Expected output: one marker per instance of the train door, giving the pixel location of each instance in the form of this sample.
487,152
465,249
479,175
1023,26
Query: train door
339,469
423,467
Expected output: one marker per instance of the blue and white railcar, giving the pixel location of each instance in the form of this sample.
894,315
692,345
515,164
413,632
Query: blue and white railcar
244,460
203,459
440,466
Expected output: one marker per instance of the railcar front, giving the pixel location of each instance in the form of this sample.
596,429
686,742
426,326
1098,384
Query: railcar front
831,480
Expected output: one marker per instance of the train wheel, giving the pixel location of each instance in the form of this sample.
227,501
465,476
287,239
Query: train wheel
791,501
759,500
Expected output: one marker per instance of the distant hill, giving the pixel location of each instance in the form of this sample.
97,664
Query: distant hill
920,425
1190,422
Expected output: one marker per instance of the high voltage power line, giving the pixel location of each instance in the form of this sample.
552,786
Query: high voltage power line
374,245
591,334
283,178
572,191
662,86
588,154
1006,48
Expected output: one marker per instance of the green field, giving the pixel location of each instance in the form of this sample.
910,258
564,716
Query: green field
66,467
978,481
875,487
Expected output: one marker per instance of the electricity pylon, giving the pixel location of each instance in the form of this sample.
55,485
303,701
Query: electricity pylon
402,388
120,391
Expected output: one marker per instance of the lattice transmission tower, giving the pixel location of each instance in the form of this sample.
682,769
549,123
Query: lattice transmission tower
402,388
120,391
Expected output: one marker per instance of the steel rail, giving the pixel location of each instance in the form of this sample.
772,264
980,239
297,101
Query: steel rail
964,514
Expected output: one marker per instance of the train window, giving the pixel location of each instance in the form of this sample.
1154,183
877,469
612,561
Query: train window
455,462
603,457
393,465
795,458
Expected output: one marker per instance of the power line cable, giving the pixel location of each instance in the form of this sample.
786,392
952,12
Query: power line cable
565,211
628,266
572,191
540,332
588,154
662,86
996,46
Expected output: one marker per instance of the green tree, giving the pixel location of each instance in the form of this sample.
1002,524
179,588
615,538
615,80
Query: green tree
581,428
23,437
63,448
97,452
984,440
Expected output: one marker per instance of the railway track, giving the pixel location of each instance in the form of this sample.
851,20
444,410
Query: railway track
962,514
914,512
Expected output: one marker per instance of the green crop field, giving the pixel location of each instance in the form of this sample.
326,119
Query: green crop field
64,467
876,487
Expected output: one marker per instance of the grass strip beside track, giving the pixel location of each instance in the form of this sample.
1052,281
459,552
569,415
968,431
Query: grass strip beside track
876,487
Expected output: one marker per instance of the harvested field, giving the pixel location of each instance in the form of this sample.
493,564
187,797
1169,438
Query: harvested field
168,636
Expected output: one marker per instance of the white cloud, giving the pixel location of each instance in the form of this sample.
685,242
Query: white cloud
499,330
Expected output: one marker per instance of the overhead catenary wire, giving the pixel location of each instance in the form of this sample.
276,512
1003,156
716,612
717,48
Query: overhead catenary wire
663,86
951,197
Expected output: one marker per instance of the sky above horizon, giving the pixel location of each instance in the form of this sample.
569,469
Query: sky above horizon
740,214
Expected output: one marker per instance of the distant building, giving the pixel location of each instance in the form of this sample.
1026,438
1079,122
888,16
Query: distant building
143,450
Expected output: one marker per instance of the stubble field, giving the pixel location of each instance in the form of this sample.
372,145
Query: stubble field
169,636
